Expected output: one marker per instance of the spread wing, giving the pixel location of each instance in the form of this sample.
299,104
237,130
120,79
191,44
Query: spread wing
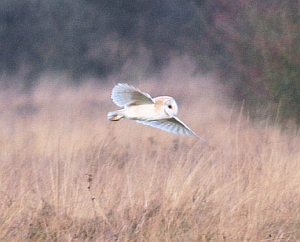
124,95
173,125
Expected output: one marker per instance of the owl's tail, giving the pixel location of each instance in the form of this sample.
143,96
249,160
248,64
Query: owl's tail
115,115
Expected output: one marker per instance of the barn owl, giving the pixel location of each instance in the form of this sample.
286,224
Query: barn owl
159,112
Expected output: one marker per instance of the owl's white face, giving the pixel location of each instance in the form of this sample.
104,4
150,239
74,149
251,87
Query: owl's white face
170,107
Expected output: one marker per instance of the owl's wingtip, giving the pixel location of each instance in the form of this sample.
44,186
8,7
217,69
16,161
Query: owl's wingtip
199,137
204,140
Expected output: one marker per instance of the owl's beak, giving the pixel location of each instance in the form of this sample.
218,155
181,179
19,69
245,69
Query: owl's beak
169,112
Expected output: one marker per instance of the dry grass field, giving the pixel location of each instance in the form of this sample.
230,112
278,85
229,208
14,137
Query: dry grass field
68,174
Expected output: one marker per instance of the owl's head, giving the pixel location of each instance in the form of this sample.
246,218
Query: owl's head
170,107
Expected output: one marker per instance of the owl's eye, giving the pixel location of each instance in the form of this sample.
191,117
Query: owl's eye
170,106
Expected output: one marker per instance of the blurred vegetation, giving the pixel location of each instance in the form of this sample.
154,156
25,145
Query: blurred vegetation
253,45
259,52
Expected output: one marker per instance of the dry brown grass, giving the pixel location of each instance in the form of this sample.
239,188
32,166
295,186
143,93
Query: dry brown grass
67,174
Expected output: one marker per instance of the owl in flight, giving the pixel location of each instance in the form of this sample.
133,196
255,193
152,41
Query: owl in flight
157,112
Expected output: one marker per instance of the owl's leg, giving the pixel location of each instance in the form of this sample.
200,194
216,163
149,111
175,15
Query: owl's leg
115,115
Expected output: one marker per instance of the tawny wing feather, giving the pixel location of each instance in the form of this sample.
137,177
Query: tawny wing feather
125,95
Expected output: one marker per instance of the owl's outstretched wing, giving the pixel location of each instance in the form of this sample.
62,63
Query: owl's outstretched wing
173,125
125,95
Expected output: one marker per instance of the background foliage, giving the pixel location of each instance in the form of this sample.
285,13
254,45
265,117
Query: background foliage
252,45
